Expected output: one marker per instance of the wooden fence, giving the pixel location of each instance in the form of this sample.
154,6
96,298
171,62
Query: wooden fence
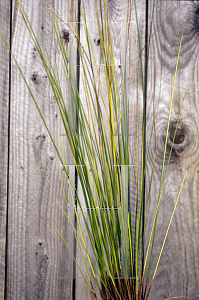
34,261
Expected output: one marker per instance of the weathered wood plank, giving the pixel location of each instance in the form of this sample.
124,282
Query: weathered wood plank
4,104
117,11
38,261
177,274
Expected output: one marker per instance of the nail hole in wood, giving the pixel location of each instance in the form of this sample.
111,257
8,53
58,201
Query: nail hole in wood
35,78
97,42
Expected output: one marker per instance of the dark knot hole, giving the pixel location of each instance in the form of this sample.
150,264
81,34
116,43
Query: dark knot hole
179,137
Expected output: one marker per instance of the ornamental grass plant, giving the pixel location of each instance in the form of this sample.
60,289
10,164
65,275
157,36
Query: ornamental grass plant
98,150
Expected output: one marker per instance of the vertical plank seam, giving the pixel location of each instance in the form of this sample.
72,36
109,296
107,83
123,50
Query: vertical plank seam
8,164
146,50
76,175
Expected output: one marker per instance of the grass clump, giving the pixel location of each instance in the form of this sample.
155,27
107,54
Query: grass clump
97,152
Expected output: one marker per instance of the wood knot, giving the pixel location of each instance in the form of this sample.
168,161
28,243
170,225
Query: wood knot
65,33
194,17
179,142
179,137
185,143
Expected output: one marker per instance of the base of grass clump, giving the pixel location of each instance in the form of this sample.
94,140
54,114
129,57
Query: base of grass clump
124,288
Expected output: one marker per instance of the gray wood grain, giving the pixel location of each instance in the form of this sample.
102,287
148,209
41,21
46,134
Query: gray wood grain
117,11
177,274
4,104
39,265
